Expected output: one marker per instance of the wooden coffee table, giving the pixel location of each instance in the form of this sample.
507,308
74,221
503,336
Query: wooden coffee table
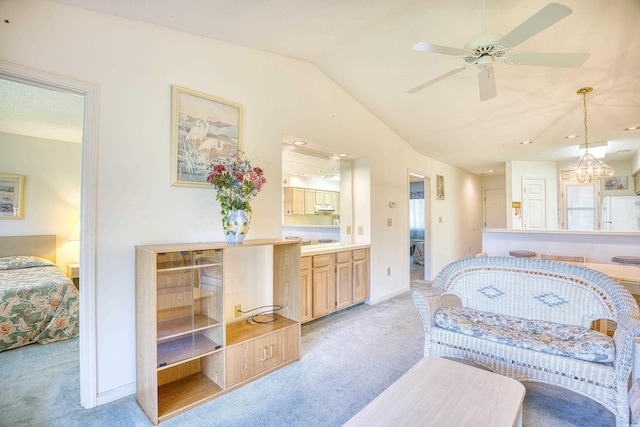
441,392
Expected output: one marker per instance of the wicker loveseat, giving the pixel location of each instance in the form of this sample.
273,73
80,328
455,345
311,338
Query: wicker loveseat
530,319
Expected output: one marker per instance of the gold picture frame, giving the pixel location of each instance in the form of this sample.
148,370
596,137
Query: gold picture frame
11,196
204,128
439,187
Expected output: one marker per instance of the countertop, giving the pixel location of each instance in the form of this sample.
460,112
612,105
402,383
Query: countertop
327,248
572,232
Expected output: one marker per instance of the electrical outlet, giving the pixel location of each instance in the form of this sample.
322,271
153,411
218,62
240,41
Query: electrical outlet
360,230
389,222
348,229
238,310
388,271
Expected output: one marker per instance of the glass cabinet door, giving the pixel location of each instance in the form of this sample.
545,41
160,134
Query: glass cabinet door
189,306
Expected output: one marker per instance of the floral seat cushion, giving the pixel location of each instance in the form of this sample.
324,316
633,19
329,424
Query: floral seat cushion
538,335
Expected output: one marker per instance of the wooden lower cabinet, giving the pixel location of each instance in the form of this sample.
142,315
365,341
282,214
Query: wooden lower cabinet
360,275
256,357
344,280
323,284
306,290
333,281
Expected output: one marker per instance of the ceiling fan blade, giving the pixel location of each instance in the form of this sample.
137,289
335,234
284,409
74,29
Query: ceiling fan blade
437,79
487,83
545,17
434,48
548,59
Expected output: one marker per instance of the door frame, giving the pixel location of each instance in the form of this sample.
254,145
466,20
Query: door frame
88,196
428,254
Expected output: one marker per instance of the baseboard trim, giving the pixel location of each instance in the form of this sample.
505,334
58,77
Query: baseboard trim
386,297
116,394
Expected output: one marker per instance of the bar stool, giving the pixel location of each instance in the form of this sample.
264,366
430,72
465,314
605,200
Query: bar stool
623,259
522,254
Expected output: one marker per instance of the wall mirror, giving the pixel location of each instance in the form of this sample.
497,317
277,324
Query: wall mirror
316,194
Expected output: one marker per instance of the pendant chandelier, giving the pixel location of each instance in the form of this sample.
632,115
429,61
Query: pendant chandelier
587,168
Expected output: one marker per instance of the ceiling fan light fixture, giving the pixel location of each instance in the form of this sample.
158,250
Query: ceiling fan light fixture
587,168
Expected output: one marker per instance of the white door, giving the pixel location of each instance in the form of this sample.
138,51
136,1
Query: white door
495,209
534,211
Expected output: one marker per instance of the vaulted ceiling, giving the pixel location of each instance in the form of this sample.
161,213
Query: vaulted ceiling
365,47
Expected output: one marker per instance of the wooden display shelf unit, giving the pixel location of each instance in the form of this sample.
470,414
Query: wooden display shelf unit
185,344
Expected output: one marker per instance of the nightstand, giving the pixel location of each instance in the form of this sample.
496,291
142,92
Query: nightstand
73,271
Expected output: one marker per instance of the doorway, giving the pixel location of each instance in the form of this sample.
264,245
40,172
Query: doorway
87,340
534,207
419,226
495,213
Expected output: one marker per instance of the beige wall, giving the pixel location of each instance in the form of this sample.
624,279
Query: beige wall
52,189
135,64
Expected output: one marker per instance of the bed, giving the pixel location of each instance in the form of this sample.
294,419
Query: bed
38,302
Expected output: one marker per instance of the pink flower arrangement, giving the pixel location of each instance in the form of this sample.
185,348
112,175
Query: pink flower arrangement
237,182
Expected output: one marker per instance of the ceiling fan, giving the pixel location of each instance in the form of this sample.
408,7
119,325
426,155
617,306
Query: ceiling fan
482,51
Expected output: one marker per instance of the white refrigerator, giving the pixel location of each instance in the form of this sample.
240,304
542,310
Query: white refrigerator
621,213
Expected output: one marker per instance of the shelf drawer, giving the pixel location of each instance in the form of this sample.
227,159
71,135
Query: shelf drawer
342,257
322,260
305,262
360,254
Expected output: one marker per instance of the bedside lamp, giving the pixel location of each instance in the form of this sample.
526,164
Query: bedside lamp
75,233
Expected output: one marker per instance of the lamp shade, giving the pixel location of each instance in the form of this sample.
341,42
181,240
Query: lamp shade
75,233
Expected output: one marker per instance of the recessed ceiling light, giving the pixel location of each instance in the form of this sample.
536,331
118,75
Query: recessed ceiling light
492,170
299,143
571,136
343,154
632,128
526,142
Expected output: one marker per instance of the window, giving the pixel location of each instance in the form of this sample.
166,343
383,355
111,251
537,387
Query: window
581,202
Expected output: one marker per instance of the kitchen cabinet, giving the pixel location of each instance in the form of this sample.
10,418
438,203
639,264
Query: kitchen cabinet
334,281
360,275
324,197
323,284
303,201
309,202
344,280
306,290
294,201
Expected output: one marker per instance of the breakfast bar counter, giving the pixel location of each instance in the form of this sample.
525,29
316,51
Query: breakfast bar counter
328,248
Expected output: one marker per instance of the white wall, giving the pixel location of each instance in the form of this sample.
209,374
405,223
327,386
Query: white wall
51,193
135,64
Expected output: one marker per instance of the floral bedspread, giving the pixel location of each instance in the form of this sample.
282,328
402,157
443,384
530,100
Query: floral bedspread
38,303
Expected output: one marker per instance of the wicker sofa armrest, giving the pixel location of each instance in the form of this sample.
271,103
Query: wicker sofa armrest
628,328
427,305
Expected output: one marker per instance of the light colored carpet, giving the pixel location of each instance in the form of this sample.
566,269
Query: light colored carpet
348,359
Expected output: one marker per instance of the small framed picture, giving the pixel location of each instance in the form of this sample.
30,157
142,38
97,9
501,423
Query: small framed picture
203,129
616,183
11,196
439,187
